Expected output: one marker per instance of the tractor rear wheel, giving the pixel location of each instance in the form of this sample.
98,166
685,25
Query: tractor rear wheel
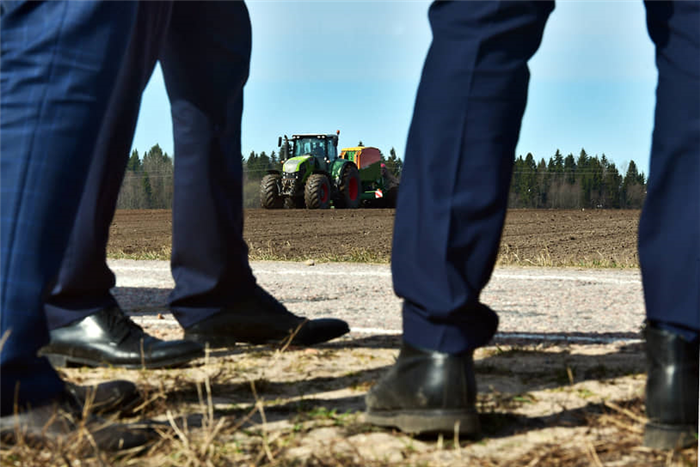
317,193
270,192
349,188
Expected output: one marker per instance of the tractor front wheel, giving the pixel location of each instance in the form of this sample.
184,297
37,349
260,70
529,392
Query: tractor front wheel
270,192
317,193
349,188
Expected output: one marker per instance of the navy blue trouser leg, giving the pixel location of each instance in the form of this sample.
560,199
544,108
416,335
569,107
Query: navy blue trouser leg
205,64
669,229
459,156
84,281
59,63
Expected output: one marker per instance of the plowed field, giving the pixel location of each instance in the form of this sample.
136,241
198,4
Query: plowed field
590,238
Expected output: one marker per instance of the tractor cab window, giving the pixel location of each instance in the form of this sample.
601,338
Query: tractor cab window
317,148
301,147
313,146
331,150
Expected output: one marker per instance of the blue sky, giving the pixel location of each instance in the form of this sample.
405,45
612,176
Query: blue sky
319,66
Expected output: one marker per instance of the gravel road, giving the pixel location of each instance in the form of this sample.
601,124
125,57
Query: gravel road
579,305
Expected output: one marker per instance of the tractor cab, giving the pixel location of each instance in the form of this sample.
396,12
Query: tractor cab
323,149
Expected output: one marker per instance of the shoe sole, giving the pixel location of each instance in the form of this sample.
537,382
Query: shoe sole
219,342
658,436
62,361
444,422
222,342
213,342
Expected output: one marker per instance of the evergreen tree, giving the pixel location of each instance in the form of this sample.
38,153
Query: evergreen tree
582,161
148,192
155,155
543,182
570,169
633,189
558,162
275,163
159,167
134,164
515,182
612,184
523,187
568,183
393,163
555,182
593,183
528,182
251,166
263,164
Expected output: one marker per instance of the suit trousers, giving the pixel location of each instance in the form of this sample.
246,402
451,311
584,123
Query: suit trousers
59,65
465,127
204,51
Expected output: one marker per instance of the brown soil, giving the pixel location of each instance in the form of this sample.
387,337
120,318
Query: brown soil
590,238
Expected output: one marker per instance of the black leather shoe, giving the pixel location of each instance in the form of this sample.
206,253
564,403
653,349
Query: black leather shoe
110,338
261,319
61,419
426,392
672,390
118,396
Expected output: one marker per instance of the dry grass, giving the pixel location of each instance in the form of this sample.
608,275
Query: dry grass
355,255
161,253
506,257
261,406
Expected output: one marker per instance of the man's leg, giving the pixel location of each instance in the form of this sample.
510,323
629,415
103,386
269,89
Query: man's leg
669,229
59,62
84,281
81,302
205,64
465,127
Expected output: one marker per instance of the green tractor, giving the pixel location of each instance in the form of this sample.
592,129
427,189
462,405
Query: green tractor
313,176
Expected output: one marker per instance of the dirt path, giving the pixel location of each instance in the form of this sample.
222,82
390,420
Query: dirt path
592,305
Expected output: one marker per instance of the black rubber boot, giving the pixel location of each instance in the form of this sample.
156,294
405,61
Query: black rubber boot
672,390
427,392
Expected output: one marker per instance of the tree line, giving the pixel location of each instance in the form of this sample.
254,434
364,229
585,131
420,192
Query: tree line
575,183
560,183
148,181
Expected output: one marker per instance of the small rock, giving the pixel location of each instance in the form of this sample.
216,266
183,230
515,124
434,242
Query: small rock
160,316
310,262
